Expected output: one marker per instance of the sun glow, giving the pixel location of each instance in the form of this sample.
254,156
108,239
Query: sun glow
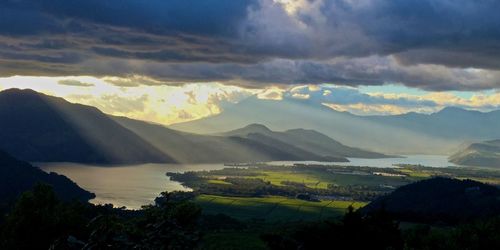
131,97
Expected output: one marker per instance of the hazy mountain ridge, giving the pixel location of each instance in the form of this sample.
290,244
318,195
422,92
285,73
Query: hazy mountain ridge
449,123
192,148
485,154
412,133
292,149
17,176
304,139
188,147
38,127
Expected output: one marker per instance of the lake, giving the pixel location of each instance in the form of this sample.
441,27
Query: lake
135,185
437,161
125,185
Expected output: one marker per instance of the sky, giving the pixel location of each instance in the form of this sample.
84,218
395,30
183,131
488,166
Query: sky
179,60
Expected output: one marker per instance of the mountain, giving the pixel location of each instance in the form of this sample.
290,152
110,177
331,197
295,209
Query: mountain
412,133
303,139
448,123
42,128
440,199
193,148
17,176
36,127
291,149
484,154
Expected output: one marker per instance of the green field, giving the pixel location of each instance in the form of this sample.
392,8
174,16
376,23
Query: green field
212,181
269,193
311,180
265,198
273,208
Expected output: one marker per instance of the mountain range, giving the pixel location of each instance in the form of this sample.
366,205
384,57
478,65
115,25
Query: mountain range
483,154
303,139
412,133
41,128
249,144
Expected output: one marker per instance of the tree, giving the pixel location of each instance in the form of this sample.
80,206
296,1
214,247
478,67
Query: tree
37,219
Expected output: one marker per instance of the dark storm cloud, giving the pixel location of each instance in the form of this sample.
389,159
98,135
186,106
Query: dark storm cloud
352,72
430,44
157,30
447,32
211,17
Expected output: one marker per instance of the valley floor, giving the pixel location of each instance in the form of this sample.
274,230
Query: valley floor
307,192
268,197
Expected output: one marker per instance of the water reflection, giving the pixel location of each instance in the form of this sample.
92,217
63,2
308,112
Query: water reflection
131,186
437,161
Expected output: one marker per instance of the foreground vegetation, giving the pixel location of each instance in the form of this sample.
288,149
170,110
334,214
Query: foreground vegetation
275,207
39,220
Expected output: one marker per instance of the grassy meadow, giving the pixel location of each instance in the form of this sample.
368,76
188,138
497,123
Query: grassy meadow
273,208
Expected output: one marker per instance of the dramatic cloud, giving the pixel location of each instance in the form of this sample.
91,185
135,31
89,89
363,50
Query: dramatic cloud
132,81
172,104
428,44
354,101
375,103
76,83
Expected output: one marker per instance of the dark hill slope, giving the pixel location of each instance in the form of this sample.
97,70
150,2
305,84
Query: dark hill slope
18,176
440,199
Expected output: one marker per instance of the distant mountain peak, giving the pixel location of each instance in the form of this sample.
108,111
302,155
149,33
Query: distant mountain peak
452,109
26,93
458,111
30,94
250,129
257,126
18,90
303,130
